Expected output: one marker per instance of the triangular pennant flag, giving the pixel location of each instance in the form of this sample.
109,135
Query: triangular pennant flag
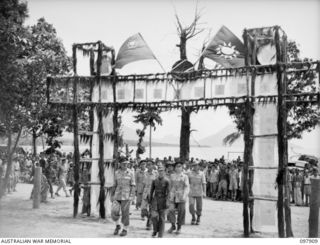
133,49
226,49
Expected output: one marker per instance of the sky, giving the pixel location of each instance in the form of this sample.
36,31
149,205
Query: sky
113,22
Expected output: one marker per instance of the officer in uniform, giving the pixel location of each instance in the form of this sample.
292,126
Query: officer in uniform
139,177
122,193
179,189
159,194
197,182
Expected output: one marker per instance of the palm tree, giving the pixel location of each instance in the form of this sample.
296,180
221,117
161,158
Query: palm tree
149,118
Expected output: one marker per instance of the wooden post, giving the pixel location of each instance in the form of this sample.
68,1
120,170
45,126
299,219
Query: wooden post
37,187
287,209
150,141
116,125
76,154
281,139
101,138
247,149
314,208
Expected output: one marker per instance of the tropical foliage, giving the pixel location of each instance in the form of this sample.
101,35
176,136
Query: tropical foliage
150,118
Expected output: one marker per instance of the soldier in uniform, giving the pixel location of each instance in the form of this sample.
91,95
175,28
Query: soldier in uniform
150,175
122,191
169,169
159,194
139,177
179,189
197,182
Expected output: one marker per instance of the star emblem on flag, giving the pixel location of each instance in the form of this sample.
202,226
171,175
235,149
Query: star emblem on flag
227,51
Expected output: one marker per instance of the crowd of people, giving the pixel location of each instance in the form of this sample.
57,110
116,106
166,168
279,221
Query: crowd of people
56,169
160,188
300,184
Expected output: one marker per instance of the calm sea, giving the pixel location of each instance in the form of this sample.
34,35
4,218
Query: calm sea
206,153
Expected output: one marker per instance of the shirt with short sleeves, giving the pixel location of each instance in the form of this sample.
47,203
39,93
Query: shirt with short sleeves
196,180
179,187
124,180
140,176
149,177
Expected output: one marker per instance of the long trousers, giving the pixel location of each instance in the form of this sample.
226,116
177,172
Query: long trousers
195,201
158,220
50,186
222,189
62,184
139,200
213,188
181,208
124,207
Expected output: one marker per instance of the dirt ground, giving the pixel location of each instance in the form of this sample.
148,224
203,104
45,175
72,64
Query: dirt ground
54,219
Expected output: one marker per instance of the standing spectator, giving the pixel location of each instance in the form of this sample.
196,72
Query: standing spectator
213,181
62,175
123,191
223,184
197,183
290,184
307,187
297,188
233,185
179,189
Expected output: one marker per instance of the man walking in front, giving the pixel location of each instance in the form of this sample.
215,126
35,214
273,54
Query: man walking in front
122,193
159,194
179,189
197,182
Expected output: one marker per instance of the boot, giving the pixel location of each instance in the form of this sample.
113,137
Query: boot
178,230
198,220
123,233
154,234
172,228
116,231
193,221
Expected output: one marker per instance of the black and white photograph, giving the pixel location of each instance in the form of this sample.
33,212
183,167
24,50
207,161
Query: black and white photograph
159,119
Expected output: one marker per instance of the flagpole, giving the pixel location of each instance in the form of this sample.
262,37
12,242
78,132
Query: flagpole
152,53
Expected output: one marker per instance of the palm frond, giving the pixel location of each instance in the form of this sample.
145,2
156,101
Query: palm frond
231,138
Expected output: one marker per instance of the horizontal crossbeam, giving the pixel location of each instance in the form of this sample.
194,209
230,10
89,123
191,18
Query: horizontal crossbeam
312,98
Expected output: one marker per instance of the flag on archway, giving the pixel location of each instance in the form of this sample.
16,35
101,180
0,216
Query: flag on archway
133,49
226,49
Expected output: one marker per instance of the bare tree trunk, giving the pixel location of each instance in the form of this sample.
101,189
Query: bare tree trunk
34,142
150,142
185,134
10,151
183,47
